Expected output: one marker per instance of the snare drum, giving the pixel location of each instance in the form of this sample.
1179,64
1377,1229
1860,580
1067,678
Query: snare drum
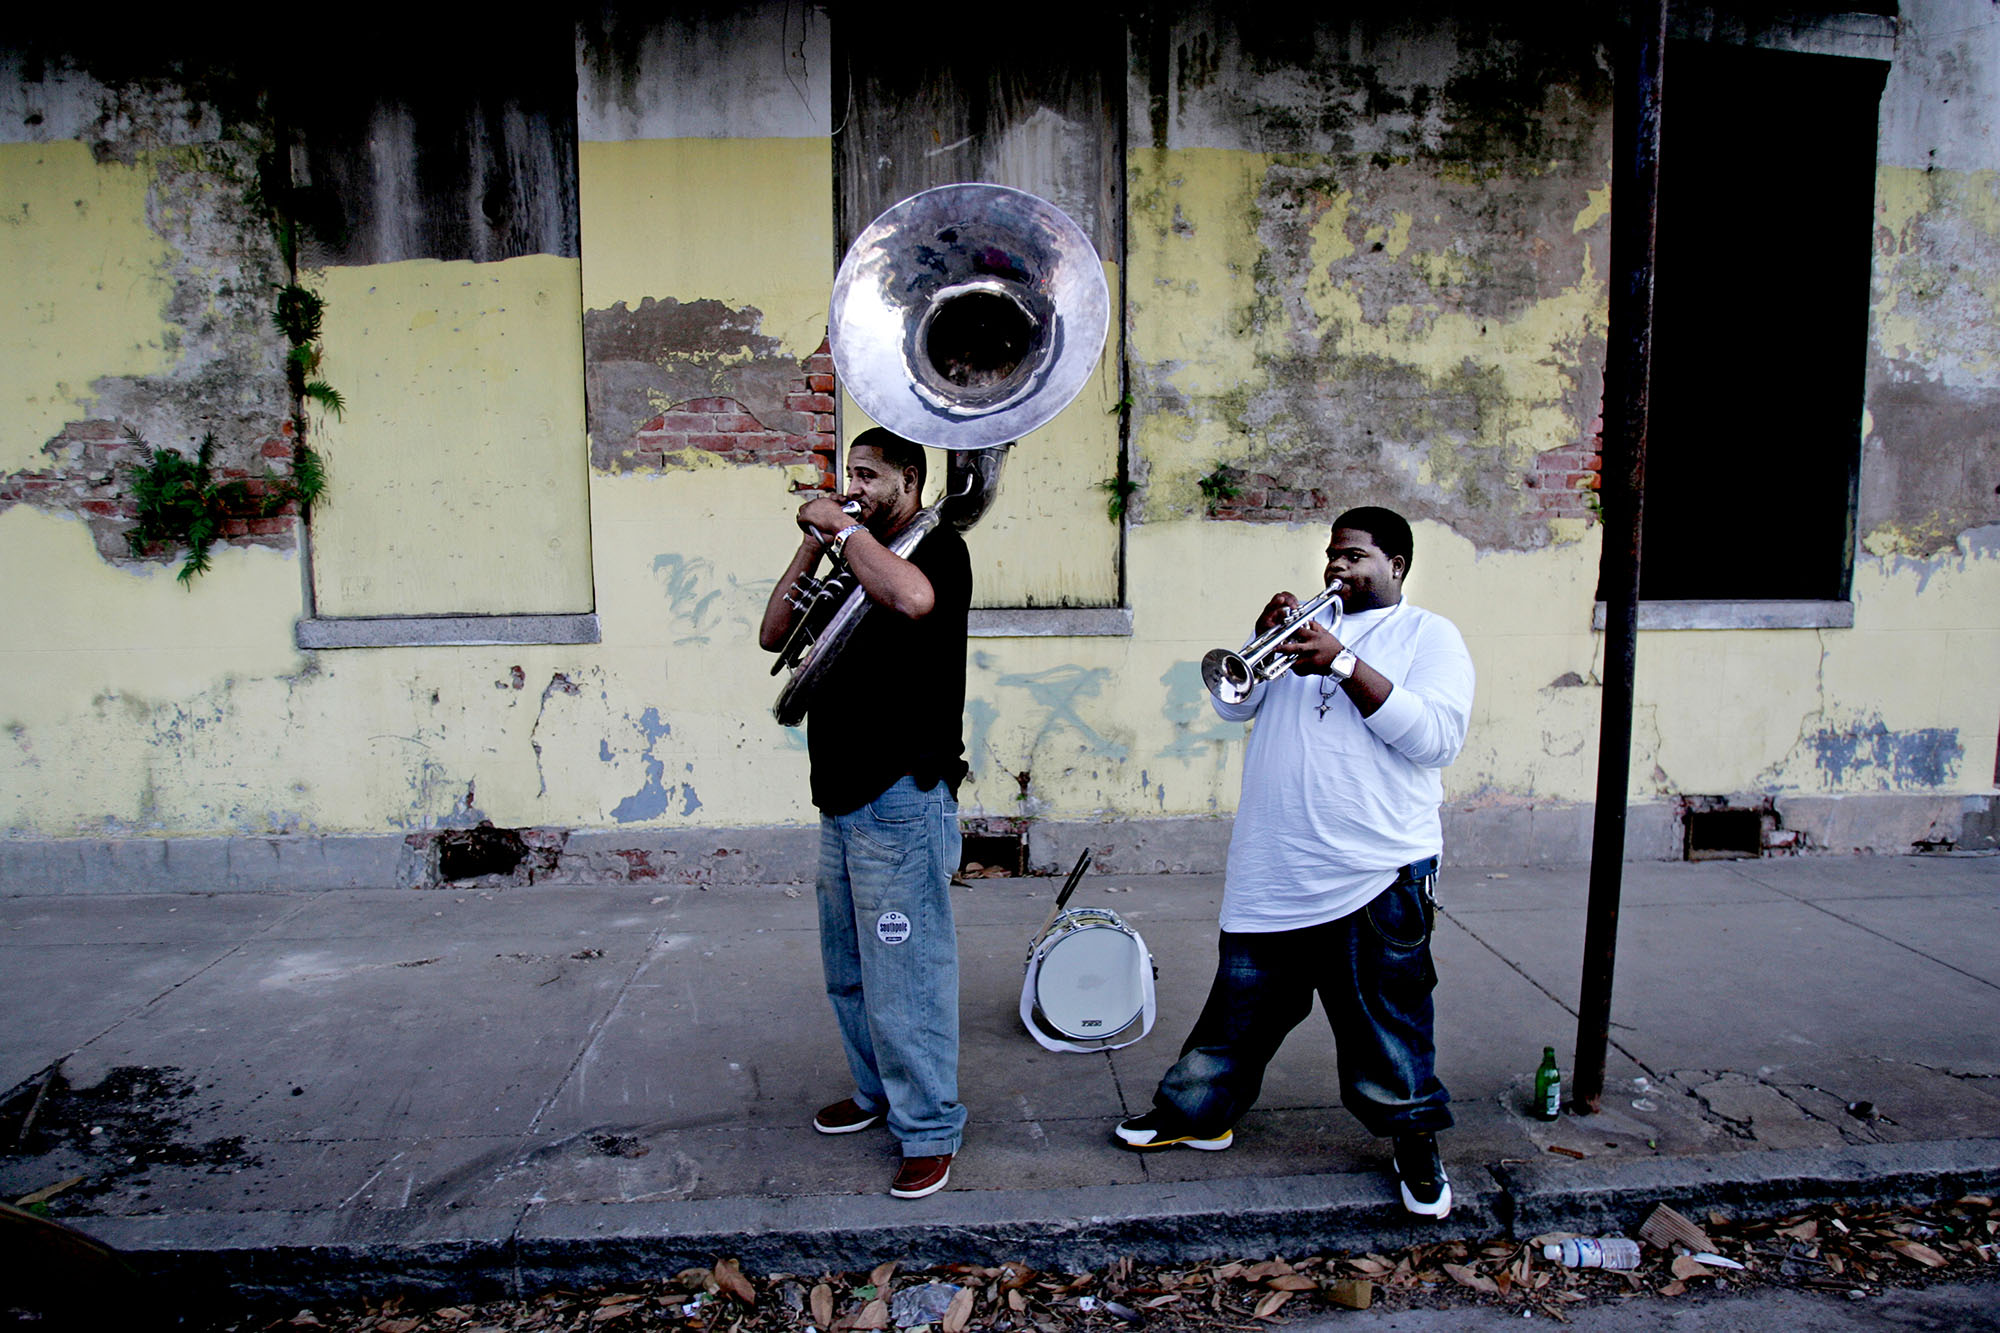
1089,978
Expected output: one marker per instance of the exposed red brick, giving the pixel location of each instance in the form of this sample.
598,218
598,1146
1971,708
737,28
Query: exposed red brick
711,405
820,383
270,527
809,402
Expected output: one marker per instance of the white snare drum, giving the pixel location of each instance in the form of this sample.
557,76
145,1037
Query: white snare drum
1089,979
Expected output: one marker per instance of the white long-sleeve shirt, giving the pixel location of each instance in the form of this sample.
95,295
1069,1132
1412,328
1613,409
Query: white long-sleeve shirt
1334,805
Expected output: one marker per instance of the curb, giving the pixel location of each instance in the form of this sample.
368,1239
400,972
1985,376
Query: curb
480,1254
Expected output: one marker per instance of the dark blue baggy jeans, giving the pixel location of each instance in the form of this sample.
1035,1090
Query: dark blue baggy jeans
1373,974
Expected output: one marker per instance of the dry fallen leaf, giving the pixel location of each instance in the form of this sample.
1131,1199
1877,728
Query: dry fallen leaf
1269,1268
1806,1230
1685,1266
959,1313
874,1315
1918,1252
1269,1305
1674,1288
1464,1276
879,1277
822,1305
729,1280
1292,1282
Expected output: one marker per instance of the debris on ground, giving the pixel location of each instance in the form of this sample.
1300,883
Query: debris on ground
1836,1248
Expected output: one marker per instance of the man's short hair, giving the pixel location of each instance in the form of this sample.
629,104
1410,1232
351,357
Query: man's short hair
1389,529
896,451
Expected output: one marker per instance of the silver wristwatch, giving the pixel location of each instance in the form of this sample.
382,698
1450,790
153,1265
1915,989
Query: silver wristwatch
1342,666
839,542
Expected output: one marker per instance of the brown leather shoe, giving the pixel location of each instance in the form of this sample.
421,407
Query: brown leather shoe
919,1176
845,1117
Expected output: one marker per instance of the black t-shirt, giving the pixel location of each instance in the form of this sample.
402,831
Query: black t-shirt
893,701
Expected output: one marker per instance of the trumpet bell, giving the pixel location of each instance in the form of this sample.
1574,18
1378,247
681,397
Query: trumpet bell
1227,676
968,315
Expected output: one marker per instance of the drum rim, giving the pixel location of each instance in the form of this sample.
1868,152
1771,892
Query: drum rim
1047,943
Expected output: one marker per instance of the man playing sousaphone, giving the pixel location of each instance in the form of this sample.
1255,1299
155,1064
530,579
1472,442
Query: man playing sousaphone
1333,865
884,734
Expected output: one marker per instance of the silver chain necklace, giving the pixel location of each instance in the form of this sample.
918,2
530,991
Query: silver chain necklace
1325,694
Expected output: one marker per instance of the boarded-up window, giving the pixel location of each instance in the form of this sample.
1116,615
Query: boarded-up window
919,105
441,170
1767,187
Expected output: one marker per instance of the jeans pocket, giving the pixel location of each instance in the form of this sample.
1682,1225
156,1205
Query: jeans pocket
1397,915
890,828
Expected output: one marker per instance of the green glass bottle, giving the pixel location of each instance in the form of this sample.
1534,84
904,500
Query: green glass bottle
1548,1087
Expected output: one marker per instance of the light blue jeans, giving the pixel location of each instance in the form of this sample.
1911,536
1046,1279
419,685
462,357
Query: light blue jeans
890,952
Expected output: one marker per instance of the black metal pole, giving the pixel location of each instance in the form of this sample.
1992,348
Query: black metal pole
1635,183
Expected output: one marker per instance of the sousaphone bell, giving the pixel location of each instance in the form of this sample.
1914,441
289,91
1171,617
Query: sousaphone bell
963,317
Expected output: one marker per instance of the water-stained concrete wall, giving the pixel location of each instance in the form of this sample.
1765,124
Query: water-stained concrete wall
1365,260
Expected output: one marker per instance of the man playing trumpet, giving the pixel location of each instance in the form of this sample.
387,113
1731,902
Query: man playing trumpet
1333,866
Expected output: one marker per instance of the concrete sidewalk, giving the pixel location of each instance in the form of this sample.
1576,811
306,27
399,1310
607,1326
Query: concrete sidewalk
494,1089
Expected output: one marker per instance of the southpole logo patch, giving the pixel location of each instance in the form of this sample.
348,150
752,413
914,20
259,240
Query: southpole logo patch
892,928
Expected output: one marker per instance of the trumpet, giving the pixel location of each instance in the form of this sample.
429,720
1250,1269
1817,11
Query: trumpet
1231,676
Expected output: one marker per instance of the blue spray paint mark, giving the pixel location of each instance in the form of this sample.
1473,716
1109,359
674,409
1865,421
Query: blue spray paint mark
980,715
1874,755
1057,691
690,802
650,801
695,600
1187,708
604,755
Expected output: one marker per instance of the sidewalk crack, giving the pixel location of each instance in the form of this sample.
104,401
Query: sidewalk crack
1557,1000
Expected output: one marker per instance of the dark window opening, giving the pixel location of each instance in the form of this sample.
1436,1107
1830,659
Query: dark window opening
1767,187
459,143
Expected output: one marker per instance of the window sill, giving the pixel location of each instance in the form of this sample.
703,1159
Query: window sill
1738,615
1050,622
443,631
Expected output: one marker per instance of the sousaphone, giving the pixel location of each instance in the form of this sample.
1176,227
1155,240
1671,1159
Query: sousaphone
963,317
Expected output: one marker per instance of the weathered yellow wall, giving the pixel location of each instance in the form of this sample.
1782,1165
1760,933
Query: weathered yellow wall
747,222
138,706
457,471
82,285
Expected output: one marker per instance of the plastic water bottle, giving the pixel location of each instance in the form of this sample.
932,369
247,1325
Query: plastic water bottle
1548,1087
1594,1252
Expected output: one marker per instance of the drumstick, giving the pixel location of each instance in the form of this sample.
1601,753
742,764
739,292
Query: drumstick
1069,887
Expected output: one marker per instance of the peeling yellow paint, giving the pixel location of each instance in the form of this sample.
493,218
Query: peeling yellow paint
1938,299
1211,338
1192,275
1398,239
1595,211
84,285
747,222
457,473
